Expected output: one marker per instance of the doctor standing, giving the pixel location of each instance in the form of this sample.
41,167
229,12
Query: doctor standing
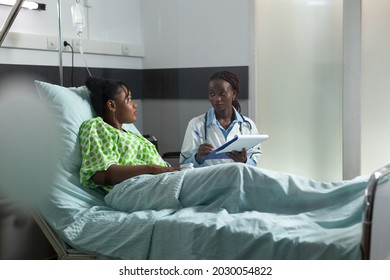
218,125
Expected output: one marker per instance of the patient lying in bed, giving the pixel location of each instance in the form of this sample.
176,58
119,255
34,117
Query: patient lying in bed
150,210
112,155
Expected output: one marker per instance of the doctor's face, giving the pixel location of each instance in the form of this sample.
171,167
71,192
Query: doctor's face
221,95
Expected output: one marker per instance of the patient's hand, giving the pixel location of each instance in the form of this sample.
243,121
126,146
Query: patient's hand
203,150
158,169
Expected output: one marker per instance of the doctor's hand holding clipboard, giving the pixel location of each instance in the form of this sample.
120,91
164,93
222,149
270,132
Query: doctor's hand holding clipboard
234,149
206,148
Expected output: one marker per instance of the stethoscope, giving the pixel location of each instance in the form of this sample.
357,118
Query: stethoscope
246,122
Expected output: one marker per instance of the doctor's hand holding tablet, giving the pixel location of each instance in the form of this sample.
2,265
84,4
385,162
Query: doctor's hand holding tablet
235,149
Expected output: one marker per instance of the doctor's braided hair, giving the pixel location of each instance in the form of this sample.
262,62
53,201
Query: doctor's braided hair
232,79
103,90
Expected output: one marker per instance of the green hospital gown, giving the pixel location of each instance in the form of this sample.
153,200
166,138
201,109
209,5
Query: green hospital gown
103,145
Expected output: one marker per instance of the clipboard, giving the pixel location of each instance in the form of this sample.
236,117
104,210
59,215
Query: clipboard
236,144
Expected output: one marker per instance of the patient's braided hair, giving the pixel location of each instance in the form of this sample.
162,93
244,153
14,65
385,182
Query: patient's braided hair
231,78
103,90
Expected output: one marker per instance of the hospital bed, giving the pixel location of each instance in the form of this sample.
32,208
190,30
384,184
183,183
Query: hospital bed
79,224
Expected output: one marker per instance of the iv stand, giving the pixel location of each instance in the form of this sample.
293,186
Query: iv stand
10,19
61,68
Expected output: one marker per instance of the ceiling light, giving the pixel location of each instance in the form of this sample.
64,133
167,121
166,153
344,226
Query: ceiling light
26,4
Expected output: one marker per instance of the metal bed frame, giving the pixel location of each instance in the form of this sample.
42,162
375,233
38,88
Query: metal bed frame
376,219
63,250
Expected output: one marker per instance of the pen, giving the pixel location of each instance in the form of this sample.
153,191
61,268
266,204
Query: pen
200,136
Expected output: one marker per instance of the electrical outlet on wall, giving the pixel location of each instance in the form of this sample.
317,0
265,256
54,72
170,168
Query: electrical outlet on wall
125,49
76,45
68,41
52,43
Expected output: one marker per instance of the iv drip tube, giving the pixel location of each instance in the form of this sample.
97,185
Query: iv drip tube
82,55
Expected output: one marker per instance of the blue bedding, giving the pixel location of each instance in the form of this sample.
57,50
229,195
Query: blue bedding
231,211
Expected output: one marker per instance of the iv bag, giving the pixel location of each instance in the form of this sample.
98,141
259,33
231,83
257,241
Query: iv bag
78,17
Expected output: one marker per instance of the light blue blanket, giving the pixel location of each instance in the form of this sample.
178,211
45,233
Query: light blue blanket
231,211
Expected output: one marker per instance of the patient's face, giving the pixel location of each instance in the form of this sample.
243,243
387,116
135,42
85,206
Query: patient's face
126,108
221,95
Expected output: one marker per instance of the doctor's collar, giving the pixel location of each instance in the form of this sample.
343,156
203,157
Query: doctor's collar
211,118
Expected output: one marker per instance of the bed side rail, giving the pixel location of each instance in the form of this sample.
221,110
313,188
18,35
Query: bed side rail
63,253
376,219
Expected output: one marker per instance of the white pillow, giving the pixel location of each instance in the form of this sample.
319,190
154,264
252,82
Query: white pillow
70,108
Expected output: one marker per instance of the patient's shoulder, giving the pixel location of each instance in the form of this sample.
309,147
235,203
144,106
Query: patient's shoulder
92,124
92,121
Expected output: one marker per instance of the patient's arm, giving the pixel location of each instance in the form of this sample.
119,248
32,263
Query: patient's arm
118,173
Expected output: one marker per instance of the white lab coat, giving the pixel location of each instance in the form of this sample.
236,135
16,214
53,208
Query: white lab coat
216,138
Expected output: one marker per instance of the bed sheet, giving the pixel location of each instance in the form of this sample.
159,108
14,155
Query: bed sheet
199,233
140,228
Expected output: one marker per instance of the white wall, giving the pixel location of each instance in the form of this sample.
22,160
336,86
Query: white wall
375,114
299,86
201,33
175,33
105,23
